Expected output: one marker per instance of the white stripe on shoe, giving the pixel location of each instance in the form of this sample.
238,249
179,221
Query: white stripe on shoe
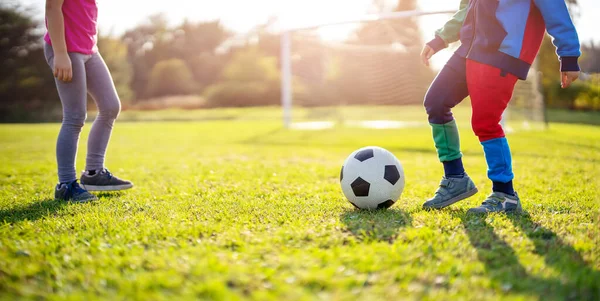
107,187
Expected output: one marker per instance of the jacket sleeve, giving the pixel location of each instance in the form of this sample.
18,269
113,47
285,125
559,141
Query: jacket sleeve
449,33
564,36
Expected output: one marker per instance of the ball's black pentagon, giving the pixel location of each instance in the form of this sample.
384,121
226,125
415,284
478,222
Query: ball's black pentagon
364,155
360,187
342,174
391,174
385,205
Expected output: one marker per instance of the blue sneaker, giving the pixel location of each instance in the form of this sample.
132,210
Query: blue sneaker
72,192
451,190
499,202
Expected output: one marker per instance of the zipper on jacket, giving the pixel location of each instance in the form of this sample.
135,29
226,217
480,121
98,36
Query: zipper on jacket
474,28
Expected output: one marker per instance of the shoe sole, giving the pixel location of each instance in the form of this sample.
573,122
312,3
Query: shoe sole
453,200
106,187
518,210
82,201
76,201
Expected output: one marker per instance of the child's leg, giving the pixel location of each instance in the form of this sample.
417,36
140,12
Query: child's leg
447,90
491,89
101,88
73,96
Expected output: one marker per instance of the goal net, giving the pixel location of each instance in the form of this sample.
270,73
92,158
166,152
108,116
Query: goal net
368,73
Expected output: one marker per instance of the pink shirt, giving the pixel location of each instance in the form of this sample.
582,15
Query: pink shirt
80,26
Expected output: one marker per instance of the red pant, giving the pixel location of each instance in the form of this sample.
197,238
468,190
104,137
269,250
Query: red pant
490,89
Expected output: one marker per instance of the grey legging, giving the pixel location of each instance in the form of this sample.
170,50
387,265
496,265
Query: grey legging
90,75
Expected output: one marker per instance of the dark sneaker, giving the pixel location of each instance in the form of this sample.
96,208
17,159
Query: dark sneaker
451,190
499,202
103,180
72,192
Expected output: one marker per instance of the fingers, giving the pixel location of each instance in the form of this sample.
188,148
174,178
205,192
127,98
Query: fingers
567,78
59,74
430,52
65,75
426,54
424,57
565,81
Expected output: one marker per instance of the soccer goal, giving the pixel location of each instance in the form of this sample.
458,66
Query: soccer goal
366,72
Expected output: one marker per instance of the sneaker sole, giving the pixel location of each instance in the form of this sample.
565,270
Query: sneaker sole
453,200
517,210
107,187
82,201
76,201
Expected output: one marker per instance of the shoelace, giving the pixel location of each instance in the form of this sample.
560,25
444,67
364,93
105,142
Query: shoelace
73,188
108,173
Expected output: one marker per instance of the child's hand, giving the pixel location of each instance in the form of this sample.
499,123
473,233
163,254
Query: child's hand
567,78
62,67
426,54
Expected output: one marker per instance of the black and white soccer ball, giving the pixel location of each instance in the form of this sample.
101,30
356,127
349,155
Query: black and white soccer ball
372,178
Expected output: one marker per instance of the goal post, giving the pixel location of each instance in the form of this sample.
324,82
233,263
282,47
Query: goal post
353,77
286,79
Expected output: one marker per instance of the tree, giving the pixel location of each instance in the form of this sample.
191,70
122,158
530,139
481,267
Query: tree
590,62
170,77
192,43
251,65
144,44
195,43
251,78
114,53
191,39
26,82
400,42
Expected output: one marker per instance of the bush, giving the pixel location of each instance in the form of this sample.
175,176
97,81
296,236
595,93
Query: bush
170,77
168,102
580,96
205,68
114,53
251,65
251,78
243,94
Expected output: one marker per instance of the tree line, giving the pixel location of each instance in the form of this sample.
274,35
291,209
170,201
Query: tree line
156,60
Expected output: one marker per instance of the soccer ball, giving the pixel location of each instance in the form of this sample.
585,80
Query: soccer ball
372,178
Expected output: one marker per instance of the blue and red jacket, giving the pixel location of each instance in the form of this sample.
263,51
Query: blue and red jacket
507,34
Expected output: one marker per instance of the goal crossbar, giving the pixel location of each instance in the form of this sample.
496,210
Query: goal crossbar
371,18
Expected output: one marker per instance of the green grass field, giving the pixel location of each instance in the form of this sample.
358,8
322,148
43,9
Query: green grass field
243,209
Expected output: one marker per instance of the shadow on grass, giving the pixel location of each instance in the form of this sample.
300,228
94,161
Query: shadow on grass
44,208
31,212
109,194
375,225
577,280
